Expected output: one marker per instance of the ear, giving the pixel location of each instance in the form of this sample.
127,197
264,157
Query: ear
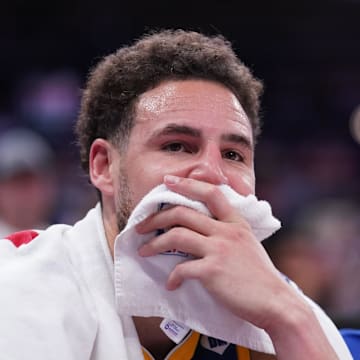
101,162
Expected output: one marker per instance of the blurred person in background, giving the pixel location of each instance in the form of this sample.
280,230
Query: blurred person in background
28,186
47,101
321,253
314,170
333,226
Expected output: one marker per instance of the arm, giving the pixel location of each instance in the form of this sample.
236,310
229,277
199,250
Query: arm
229,258
297,331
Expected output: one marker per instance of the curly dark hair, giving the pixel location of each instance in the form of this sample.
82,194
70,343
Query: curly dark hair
107,107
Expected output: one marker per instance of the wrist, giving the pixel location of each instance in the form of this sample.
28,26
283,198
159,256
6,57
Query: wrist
293,328
288,310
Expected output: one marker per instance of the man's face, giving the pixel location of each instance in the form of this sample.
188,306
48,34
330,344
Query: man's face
191,128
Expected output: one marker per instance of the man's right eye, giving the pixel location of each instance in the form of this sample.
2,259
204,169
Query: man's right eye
174,147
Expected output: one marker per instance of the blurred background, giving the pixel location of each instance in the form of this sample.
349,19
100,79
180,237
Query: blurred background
308,156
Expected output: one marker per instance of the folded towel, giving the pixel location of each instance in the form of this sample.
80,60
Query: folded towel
140,282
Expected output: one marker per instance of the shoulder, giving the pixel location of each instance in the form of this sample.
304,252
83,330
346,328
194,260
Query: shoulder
32,257
36,265
22,237
41,295
32,244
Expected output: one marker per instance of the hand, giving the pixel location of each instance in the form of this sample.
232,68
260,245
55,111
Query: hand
230,263
234,267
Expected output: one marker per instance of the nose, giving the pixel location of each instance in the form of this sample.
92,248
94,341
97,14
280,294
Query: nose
208,167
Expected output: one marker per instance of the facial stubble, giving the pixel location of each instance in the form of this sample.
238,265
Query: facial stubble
124,203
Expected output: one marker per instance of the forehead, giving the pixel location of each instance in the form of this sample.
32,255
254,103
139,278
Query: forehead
199,103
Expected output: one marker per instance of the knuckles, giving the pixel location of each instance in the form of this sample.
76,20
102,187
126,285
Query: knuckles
176,211
212,193
178,234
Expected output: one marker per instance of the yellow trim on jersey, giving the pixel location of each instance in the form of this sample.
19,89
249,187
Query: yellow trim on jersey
146,354
185,352
242,353
186,349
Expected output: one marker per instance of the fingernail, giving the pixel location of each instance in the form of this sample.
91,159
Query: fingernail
171,179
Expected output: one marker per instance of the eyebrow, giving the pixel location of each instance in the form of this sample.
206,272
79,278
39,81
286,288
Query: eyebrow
171,129
178,129
238,139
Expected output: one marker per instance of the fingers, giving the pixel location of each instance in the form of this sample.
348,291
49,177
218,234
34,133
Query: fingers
176,216
189,231
186,270
179,238
207,193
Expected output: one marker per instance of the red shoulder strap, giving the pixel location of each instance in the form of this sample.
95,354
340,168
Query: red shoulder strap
22,237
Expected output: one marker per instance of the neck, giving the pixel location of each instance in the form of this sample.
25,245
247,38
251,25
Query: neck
110,224
152,337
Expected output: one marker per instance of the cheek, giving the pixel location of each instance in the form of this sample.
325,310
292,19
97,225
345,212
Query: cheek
144,177
244,184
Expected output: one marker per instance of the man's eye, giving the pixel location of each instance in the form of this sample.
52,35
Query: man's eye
174,147
233,155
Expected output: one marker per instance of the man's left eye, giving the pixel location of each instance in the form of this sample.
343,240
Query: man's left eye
233,155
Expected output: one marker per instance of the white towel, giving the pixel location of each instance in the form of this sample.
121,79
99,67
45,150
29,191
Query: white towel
140,282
